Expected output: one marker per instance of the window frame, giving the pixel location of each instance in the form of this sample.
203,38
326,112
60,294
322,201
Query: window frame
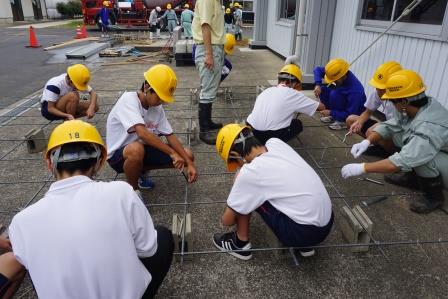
425,31
284,21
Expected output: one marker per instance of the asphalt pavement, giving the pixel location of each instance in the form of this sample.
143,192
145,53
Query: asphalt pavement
25,70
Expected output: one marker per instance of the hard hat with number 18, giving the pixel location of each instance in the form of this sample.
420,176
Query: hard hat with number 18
383,73
230,43
403,84
335,69
163,80
75,131
79,75
224,141
293,70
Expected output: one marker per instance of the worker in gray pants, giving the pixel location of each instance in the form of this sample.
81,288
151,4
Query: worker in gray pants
208,35
171,17
420,129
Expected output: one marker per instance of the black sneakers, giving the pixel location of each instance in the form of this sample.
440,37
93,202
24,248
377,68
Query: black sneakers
227,242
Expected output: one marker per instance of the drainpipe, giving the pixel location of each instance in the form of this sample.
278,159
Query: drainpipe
299,29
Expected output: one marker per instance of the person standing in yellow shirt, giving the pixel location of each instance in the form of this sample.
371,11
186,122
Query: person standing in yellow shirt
208,35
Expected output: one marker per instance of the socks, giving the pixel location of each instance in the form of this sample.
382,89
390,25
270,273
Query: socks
238,242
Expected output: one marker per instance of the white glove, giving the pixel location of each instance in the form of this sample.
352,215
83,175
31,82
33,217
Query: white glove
353,169
359,148
293,59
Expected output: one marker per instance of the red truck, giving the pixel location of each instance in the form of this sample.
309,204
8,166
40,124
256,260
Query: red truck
128,13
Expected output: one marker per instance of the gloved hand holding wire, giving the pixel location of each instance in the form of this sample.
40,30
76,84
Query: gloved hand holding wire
359,148
353,169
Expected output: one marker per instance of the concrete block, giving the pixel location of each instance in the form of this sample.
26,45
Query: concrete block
179,224
190,44
35,141
356,227
177,34
181,47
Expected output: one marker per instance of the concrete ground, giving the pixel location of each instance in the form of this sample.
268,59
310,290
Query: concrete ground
386,272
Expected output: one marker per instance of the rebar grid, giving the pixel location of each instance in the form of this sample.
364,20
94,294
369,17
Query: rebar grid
230,97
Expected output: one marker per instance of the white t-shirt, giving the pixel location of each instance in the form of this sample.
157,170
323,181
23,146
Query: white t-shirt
375,103
283,178
129,112
56,87
275,107
84,240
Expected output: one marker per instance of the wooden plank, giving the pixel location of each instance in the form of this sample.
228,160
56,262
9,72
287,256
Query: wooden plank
71,42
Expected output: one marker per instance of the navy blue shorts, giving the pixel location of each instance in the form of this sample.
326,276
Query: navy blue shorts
284,134
4,284
153,157
48,115
291,233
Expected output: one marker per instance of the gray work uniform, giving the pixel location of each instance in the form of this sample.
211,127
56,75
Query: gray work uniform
423,141
171,17
186,18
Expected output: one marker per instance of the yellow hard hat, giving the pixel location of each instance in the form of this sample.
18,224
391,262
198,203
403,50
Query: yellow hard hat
236,4
335,69
227,10
383,73
403,84
293,70
105,3
163,80
224,141
80,76
168,6
186,6
75,131
230,43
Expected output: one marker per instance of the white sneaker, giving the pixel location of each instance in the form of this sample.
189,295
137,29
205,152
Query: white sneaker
326,119
307,253
338,125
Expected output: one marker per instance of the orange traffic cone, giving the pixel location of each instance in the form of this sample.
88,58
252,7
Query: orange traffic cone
78,32
33,39
84,31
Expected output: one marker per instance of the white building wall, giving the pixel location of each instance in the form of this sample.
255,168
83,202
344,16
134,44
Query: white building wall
280,33
5,11
427,57
27,8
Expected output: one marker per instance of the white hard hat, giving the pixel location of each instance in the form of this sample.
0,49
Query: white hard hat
158,8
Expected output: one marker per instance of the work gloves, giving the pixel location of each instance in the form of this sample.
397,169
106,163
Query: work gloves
356,169
359,148
353,169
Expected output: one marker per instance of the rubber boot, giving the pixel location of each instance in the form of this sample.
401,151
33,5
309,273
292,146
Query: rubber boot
433,198
151,35
157,33
213,125
403,179
205,132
